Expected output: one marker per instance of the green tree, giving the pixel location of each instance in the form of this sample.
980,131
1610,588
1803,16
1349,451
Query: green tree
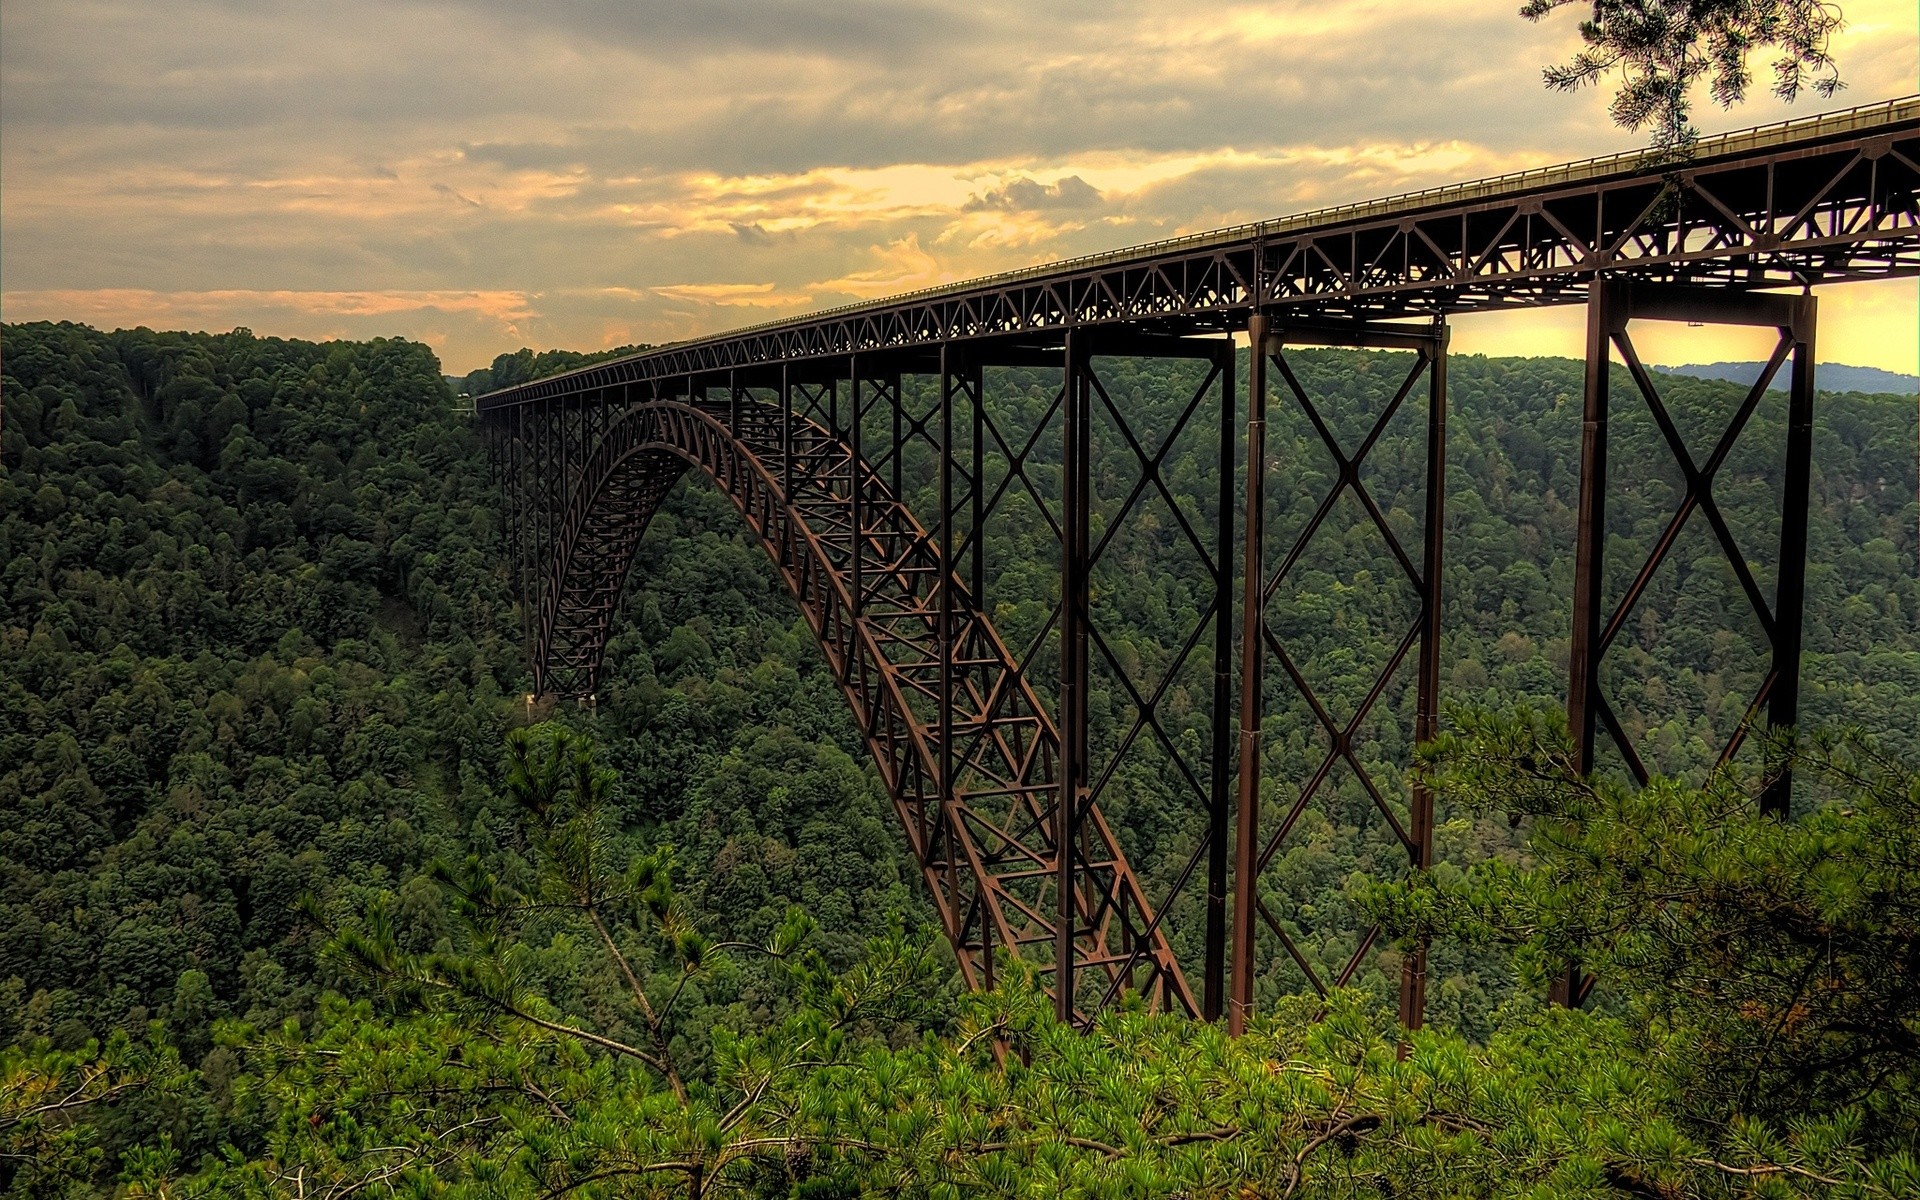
623,1096
52,1103
1769,968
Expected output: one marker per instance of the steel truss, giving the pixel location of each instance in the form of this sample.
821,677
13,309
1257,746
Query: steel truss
1825,200
1614,304
825,430
987,786
1344,737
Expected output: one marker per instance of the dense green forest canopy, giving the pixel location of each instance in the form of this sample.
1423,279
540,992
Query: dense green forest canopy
524,366
258,645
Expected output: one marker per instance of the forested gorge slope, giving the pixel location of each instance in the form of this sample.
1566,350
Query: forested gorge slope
250,650
258,644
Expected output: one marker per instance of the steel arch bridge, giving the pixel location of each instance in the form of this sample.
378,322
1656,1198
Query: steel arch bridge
817,427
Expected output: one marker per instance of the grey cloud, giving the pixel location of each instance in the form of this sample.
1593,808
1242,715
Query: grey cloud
455,195
529,156
856,29
986,101
170,98
622,86
1029,195
849,83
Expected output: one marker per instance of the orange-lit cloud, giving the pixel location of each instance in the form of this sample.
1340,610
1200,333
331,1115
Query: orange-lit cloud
119,304
733,295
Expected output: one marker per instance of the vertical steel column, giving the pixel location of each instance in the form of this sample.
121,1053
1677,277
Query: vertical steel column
786,431
516,516
1246,846
946,444
543,474
1426,719
977,395
565,496
1789,604
853,481
1568,987
522,518
1590,535
543,569
491,433
1075,477
1220,802
535,484
944,639
530,583
523,483
543,477
733,401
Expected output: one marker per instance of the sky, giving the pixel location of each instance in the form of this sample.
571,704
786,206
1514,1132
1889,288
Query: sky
483,175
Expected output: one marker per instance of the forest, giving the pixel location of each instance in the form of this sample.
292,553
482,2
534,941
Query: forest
300,897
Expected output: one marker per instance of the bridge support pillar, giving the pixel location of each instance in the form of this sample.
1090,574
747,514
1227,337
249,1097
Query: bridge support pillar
856,506
1075,476
1113,931
1213,994
1612,305
1252,662
1343,738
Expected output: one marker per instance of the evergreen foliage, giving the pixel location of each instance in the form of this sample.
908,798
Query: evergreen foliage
1662,48
258,645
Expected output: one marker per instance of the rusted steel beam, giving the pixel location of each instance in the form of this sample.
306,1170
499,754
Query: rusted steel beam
1246,841
1076,465
1426,723
1614,305
1256,843
1220,796
1790,597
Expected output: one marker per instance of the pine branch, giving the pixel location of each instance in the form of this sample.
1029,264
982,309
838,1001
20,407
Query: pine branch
664,1062
1764,1169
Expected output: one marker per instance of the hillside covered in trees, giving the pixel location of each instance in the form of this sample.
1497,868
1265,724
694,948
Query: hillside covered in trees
279,893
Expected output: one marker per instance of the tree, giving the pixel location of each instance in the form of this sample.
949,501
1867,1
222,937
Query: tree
478,1084
212,701
1662,48
49,1105
484,1075
1769,968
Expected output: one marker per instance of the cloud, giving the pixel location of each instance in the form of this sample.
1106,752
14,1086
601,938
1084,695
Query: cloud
733,295
900,266
598,160
1022,194
457,197
505,307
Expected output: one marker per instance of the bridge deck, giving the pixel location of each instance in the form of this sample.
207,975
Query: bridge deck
1819,199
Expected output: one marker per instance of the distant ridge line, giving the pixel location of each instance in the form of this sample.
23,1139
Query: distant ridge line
1827,377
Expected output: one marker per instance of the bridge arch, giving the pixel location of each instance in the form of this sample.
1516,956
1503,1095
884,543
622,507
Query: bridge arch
975,789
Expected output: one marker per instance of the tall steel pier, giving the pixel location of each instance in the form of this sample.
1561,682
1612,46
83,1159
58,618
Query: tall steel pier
997,752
